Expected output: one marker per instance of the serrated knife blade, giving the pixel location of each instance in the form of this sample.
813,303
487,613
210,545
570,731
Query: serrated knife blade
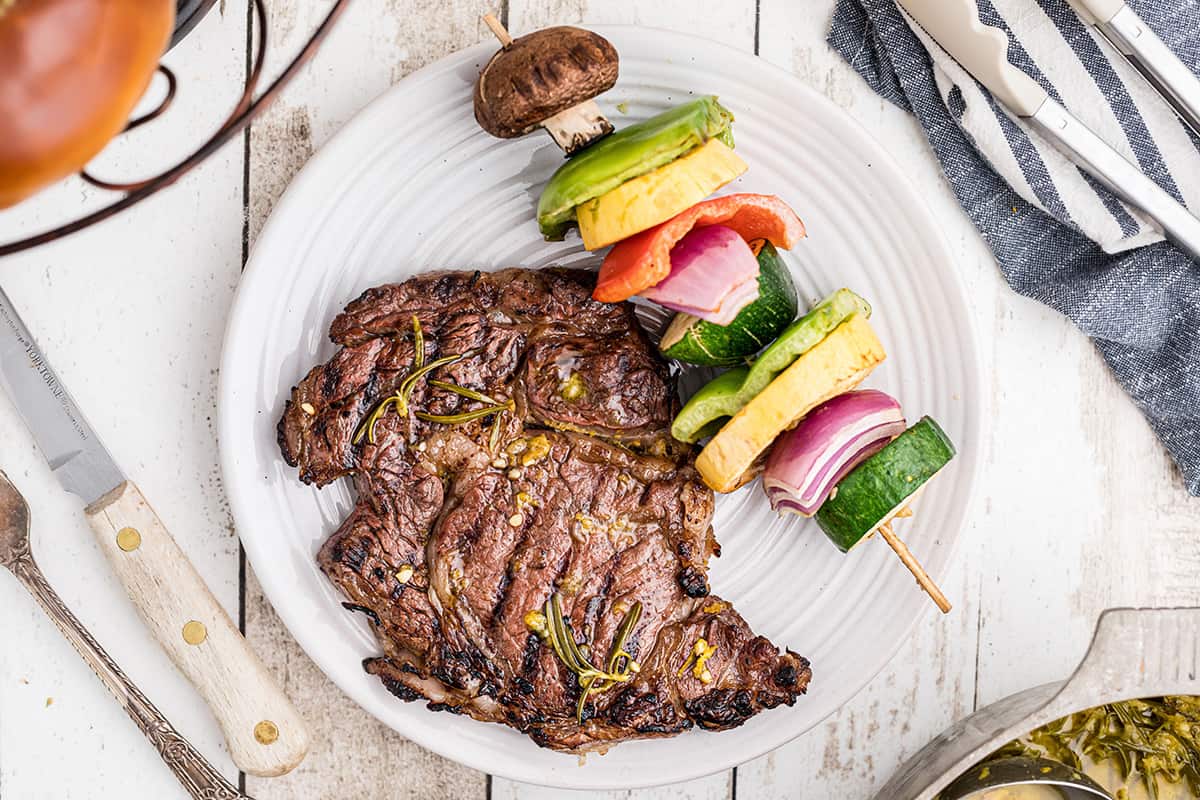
982,50
69,444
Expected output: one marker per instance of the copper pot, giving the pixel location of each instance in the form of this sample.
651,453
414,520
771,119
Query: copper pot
71,72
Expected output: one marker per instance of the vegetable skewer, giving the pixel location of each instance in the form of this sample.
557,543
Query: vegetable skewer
501,33
842,456
808,464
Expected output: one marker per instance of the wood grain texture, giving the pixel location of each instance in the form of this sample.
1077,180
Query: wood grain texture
264,733
1078,507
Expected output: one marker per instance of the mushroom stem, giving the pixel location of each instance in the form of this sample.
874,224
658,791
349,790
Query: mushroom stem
578,126
498,29
914,567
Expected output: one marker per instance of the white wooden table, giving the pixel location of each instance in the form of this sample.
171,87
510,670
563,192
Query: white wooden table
1078,509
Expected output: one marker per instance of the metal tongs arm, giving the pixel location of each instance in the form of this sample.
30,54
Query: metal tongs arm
1146,52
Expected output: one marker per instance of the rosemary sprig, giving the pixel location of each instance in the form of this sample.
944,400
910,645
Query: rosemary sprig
368,428
492,406
403,394
400,397
494,438
408,384
619,667
418,343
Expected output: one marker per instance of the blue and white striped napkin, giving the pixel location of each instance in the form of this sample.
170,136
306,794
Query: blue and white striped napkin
1059,236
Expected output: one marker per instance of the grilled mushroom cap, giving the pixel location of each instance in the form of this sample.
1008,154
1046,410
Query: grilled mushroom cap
541,74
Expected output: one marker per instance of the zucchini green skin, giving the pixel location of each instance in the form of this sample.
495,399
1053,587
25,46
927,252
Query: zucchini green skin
726,394
880,486
627,154
711,345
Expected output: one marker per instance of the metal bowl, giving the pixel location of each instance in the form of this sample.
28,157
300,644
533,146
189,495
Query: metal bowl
1136,652
1066,783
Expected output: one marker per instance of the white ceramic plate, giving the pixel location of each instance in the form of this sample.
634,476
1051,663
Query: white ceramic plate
412,184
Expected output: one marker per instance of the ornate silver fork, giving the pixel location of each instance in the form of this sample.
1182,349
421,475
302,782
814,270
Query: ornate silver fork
199,778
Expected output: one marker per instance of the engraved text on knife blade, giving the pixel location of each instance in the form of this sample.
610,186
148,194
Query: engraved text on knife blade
38,362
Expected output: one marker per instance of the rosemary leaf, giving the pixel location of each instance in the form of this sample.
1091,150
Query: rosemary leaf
585,686
470,394
368,428
410,383
494,438
400,397
458,419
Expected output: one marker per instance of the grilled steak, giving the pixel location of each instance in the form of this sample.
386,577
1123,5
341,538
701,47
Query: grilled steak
571,487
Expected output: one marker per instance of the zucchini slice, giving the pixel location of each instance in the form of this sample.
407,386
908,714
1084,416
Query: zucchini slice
881,486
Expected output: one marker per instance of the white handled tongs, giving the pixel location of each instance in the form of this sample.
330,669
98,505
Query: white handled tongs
1141,47
982,50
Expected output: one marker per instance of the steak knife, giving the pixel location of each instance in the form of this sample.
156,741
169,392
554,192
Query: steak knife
982,50
265,734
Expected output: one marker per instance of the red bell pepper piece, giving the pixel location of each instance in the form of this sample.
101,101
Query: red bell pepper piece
644,259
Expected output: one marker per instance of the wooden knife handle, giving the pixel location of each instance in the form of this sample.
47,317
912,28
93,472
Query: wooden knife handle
265,734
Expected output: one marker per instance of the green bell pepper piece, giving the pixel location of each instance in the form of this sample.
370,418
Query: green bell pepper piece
726,394
627,154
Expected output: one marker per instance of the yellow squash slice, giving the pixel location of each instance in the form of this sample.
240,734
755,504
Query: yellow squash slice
836,365
657,196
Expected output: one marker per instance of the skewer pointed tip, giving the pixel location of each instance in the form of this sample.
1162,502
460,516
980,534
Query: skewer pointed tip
914,566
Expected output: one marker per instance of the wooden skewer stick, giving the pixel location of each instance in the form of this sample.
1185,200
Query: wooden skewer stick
498,28
914,567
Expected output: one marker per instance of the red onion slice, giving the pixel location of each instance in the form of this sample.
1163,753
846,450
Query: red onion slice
714,275
738,298
834,438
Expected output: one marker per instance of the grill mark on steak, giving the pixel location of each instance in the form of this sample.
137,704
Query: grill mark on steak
611,511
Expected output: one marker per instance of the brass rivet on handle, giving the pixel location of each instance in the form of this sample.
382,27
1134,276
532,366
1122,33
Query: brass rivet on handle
194,632
128,539
266,732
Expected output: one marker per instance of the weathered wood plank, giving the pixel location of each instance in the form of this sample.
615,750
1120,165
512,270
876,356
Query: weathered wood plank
375,44
714,787
732,21
131,314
